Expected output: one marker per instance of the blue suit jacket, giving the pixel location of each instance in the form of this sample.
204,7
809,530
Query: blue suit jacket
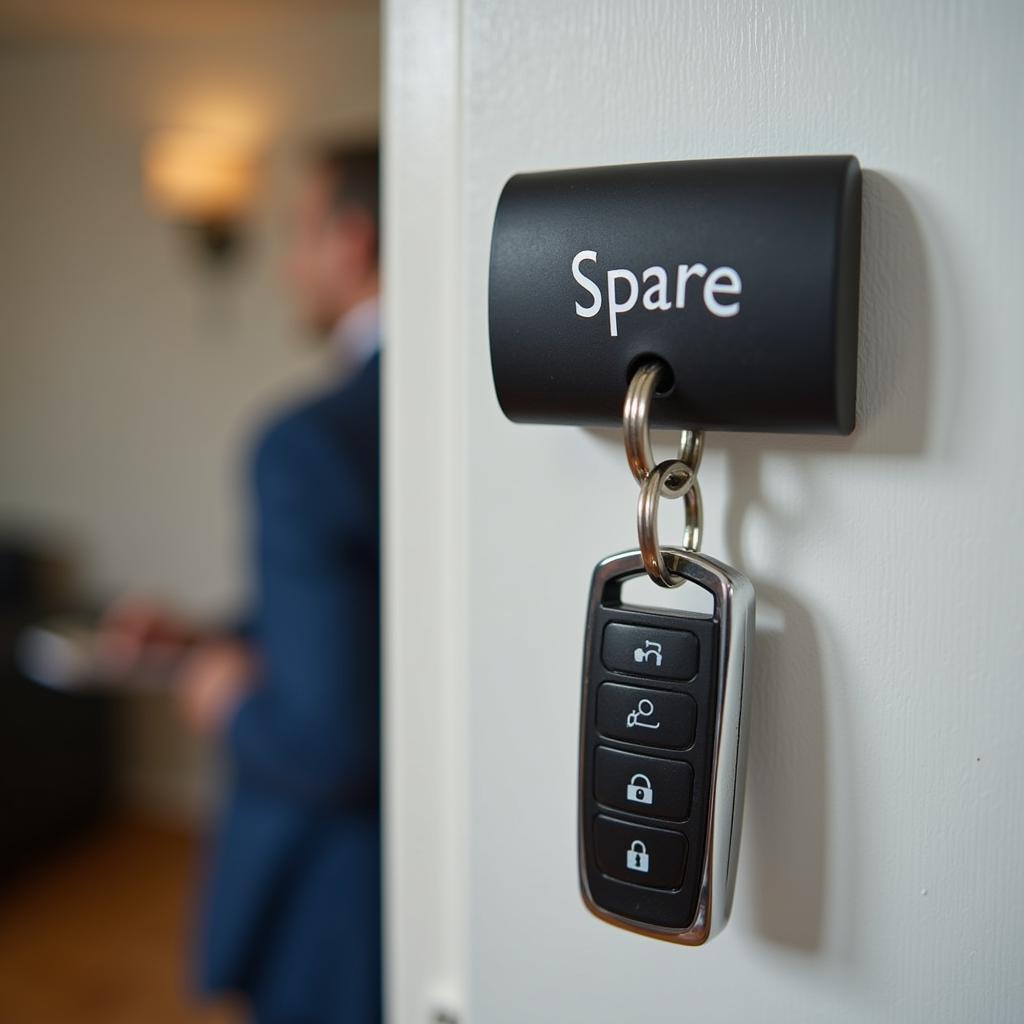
292,914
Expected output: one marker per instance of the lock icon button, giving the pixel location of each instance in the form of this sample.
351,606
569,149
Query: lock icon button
636,857
640,790
639,855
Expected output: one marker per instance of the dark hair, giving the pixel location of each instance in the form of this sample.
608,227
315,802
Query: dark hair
353,173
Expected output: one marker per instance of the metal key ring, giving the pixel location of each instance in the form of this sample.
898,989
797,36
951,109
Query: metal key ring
636,413
651,490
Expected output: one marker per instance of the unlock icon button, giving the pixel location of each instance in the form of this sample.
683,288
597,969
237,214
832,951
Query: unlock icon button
640,790
654,787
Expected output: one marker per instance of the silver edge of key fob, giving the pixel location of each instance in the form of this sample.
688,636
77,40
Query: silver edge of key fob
734,607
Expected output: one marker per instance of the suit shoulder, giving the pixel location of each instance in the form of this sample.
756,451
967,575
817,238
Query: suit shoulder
335,428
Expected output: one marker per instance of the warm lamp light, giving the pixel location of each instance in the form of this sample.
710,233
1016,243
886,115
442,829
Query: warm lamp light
204,180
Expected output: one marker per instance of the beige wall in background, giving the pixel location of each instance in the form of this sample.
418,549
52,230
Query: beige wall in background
131,377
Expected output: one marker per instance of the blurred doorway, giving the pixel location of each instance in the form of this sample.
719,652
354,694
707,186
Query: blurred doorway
139,348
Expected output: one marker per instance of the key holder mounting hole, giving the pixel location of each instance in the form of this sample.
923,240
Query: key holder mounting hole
666,378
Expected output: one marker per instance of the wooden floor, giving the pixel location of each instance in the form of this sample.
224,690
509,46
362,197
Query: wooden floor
98,934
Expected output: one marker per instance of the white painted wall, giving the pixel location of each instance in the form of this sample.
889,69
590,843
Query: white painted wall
879,878
130,378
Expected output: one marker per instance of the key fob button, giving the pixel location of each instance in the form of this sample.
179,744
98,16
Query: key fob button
642,651
651,786
652,718
636,853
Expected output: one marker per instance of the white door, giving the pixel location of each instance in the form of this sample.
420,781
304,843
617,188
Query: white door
880,874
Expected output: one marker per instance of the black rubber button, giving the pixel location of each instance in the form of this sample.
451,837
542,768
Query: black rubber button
659,653
650,786
639,854
654,718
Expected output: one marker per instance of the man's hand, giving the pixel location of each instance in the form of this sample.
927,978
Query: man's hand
213,680
136,628
211,672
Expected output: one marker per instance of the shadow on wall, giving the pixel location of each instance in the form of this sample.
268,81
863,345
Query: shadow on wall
801,795
789,773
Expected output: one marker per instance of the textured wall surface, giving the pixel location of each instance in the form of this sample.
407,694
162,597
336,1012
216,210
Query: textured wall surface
879,877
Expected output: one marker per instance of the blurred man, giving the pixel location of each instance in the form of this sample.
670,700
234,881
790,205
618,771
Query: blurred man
292,913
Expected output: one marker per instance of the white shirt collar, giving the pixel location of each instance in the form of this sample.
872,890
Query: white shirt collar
356,337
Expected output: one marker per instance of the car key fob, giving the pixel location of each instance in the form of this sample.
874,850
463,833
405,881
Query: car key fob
663,751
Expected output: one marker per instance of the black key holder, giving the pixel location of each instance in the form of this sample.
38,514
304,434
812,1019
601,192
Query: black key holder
740,276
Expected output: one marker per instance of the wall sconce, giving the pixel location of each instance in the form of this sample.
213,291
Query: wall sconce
204,180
